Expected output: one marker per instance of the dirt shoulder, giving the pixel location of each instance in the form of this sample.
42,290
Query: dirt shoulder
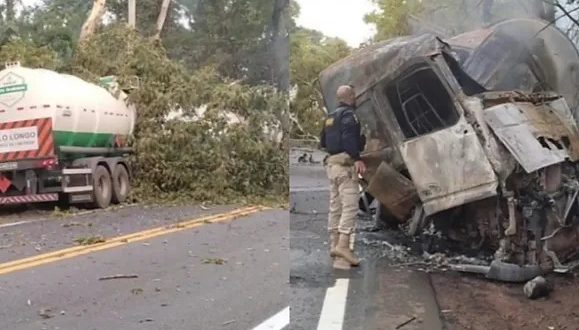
470,302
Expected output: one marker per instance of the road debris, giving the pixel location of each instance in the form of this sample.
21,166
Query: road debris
71,224
46,313
537,288
228,322
214,261
146,320
399,326
118,276
90,240
136,291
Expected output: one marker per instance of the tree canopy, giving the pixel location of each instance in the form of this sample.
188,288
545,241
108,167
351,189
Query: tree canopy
449,17
311,52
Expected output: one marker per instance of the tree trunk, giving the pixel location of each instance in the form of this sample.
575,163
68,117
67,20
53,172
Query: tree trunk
161,18
93,20
132,13
10,5
280,45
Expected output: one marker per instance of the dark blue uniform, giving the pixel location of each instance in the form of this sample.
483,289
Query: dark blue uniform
341,133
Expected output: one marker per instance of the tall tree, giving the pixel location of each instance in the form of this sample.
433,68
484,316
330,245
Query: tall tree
404,17
311,52
162,17
392,17
93,20
280,44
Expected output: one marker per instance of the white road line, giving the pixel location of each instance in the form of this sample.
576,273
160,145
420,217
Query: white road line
24,222
332,316
18,223
276,322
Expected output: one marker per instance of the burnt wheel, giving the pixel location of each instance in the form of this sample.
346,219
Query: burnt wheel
121,184
386,218
102,188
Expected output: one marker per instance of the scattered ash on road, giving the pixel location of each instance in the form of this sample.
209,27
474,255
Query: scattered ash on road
470,301
425,253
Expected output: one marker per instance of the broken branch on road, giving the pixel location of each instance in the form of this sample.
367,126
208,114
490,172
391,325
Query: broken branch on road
405,322
214,261
118,276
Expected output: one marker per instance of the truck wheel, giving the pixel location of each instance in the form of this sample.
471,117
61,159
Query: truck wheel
387,219
102,188
121,184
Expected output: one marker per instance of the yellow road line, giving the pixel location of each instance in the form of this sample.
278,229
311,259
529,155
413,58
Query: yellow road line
46,258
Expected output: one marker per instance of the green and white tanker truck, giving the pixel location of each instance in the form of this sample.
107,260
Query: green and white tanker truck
62,138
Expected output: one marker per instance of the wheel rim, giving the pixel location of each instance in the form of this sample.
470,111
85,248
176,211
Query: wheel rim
102,186
122,183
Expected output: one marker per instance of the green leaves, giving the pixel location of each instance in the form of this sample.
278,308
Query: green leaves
206,159
311,52
28,54
391,18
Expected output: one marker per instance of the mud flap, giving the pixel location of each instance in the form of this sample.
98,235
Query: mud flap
393,190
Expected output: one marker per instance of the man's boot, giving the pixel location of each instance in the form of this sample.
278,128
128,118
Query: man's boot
343,250
334,236
341,263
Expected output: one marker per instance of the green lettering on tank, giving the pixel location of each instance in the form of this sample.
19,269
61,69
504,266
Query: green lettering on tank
13,89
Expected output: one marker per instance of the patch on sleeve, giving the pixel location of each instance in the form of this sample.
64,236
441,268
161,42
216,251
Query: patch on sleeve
329,122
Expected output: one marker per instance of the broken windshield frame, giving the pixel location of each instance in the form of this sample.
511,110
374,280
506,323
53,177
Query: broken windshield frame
420,100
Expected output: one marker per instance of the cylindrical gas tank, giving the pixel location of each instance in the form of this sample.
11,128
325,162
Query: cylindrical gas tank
80,114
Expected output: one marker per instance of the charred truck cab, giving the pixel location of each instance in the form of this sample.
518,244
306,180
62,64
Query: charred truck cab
493,170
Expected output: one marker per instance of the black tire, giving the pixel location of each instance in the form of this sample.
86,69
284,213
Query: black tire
121,184
387,219
102,188
63,201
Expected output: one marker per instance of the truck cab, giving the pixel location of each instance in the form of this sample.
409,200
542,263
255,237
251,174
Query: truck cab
491,169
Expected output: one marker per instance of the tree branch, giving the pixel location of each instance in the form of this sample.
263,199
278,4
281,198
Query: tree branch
568,14
161,18
555,20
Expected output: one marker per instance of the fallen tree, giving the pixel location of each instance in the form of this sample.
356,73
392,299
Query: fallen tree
208,159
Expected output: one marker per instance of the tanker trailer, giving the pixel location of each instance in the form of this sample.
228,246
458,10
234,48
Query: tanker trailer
62,138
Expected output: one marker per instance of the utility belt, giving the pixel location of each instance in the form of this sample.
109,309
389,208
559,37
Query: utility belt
341,158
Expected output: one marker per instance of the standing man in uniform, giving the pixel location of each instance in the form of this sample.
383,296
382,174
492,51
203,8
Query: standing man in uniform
342,139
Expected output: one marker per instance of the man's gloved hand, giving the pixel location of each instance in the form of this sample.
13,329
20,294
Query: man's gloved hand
360,167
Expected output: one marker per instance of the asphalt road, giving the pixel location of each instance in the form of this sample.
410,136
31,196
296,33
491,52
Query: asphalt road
229,275
373,296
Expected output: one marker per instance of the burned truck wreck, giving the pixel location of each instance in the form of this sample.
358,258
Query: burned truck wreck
475,136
